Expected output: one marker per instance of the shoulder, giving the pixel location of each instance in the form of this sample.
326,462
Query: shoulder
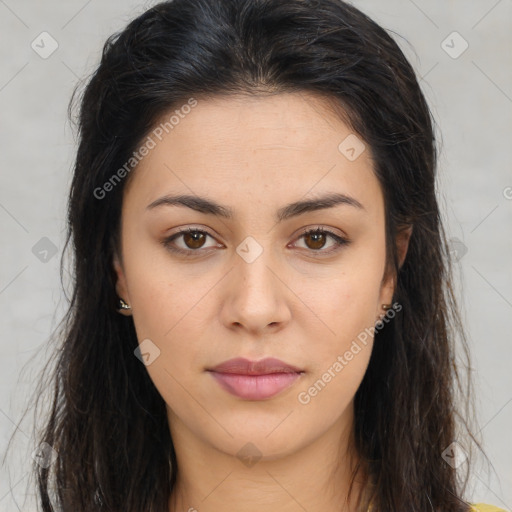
483,507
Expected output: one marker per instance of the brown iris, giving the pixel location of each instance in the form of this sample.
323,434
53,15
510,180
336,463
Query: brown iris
318,239
196,239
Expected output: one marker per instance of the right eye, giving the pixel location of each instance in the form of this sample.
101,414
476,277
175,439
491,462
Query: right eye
192,238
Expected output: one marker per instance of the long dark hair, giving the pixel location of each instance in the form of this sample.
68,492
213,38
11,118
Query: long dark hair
108,423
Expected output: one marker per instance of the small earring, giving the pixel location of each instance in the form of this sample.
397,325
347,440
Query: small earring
385,307
123,305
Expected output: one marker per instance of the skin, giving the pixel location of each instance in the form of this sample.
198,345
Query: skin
256,155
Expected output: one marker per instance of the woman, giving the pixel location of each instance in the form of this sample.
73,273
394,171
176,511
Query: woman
263,315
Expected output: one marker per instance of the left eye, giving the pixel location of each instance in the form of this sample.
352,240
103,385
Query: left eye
194,240
319,237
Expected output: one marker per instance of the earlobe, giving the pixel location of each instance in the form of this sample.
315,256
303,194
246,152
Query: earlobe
123,306
402,239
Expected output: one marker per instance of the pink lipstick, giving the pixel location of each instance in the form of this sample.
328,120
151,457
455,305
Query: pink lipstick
255,380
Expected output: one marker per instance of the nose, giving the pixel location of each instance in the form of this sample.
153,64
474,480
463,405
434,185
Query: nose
257,298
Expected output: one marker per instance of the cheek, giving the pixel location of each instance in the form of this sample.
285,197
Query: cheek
340,351
169,312
345,304
165,297
166,308
340,335
327,394
172,314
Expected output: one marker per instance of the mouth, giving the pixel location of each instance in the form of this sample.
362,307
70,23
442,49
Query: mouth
255,380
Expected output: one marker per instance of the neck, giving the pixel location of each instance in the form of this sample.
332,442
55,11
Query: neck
315,477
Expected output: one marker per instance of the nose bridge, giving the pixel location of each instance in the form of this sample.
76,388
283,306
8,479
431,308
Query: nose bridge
256,261
256,290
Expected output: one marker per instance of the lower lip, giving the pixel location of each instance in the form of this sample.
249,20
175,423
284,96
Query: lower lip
255,387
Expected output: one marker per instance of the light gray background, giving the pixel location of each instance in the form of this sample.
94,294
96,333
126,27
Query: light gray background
471,98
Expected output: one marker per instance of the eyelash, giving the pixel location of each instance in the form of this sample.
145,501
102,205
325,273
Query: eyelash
340,241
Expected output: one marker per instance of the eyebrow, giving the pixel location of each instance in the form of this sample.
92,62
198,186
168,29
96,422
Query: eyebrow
204,205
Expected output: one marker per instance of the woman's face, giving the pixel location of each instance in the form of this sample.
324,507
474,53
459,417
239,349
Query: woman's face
246,282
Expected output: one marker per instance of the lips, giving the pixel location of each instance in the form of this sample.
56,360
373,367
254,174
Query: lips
265,366
255,380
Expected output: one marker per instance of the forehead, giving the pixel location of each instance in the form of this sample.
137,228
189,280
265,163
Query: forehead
240,147
263,121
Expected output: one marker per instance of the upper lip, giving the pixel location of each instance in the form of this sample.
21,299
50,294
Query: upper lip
242,366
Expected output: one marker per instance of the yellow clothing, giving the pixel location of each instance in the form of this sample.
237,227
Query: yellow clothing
476,507
483,507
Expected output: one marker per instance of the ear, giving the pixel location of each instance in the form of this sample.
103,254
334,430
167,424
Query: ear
121,288
402,239
402,243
